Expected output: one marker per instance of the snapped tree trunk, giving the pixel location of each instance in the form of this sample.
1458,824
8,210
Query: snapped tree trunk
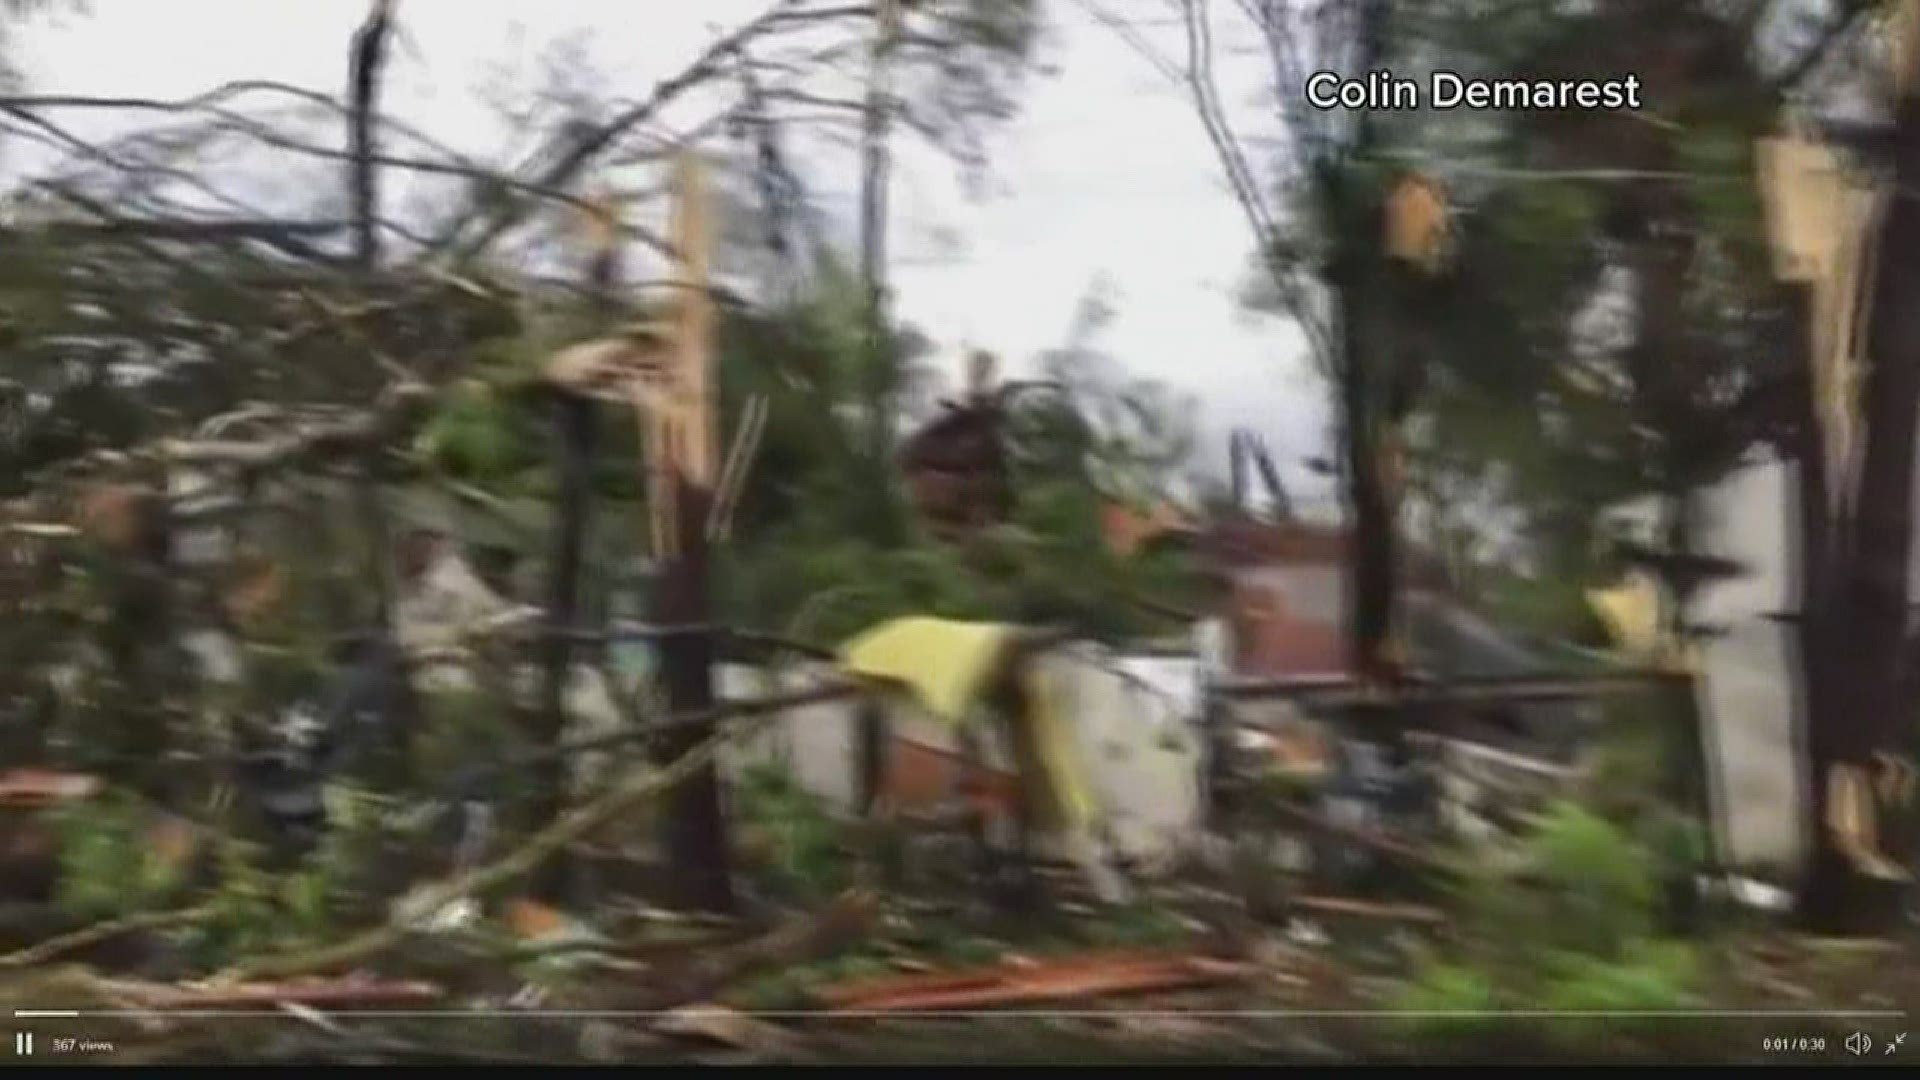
1861,634
694,832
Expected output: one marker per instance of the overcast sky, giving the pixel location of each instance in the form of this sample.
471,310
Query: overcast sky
1105,172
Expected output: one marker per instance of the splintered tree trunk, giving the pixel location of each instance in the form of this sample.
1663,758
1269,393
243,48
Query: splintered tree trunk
695,834
1867,711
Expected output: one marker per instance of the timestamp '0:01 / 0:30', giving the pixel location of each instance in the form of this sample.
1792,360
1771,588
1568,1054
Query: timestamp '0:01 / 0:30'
1794,1044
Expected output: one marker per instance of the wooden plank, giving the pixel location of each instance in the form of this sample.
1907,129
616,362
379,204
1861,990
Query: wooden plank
1066,978
694,380
1370,909
1342,692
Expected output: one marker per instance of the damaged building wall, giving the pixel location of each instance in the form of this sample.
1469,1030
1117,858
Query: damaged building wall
1748,695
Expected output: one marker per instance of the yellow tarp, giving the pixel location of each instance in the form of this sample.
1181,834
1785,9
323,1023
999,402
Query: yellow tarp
945,664
1065,793
948,667
1631,613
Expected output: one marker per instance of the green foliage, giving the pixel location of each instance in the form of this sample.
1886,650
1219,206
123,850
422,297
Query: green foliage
307,901
107,867
1443,989
477,436
820,527
1136,925
1568,928
1629,760
973,56
346,879
823,547
258,908
1649,976
1579,884
791,988
969,950
246,914
1523,388
806,850
1632,784
1600,886
464,729
827,588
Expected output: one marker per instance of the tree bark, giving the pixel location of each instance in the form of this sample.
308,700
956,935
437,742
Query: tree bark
140,638
873,747
1363,354
369,54
575,424
876,162
364,69
1864,707
694,827
1373,584
875,170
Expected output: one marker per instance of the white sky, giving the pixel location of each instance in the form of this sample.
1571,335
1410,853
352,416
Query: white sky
1106,170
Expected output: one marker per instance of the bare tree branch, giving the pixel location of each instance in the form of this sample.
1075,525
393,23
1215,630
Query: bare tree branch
588,144
782,194
183,229
813,99
1843,22
28,108
210,102
282,235
402,404
369,55
1246,189
55,135
1132,36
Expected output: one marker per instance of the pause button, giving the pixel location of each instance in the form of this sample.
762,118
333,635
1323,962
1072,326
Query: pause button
23,1043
